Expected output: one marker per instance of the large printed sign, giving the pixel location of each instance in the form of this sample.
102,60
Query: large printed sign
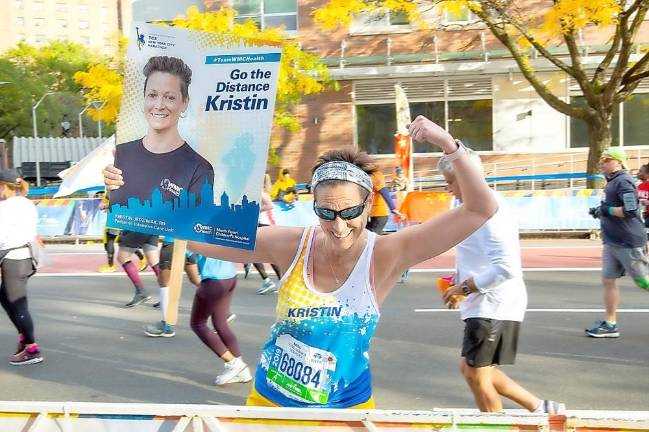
193,134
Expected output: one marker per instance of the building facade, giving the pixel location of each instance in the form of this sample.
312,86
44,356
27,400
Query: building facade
93,23
455,73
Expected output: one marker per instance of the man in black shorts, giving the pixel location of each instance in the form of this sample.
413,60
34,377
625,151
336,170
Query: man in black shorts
488,288
129,242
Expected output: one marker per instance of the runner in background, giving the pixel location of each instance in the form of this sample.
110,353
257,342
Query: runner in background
129,242
163,328
643,193
18,217
490,291
212,302
265,219
382,205
110,235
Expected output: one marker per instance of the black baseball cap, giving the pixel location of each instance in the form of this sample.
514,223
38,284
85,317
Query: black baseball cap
9,175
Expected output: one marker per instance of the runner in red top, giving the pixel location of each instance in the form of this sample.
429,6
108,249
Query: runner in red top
643,193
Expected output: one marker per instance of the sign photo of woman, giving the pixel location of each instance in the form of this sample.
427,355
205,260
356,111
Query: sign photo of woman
162,159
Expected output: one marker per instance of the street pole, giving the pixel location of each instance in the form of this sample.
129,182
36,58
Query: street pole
34,124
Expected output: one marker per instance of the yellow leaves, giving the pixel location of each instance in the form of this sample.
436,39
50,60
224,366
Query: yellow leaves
104,85
567,16
340,12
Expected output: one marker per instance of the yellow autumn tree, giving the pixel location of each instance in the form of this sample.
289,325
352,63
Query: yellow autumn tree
610,82
301,73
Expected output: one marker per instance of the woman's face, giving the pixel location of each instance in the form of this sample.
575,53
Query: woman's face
342,234
163,101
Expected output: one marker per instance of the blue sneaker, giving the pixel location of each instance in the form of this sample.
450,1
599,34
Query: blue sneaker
603,329
161,329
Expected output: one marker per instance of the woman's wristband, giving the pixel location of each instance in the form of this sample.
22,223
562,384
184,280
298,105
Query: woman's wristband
450,157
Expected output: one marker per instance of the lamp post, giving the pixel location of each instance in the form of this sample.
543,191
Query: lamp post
94,105
38,157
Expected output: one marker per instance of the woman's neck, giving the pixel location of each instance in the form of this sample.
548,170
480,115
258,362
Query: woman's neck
162,141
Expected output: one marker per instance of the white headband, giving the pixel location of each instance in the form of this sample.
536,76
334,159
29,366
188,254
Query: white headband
341,170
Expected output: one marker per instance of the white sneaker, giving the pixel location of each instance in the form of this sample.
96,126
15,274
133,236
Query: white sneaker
235,371
266,286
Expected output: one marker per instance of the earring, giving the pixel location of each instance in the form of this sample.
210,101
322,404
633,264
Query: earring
183,114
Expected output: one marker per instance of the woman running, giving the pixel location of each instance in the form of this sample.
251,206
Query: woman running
18,218
212,302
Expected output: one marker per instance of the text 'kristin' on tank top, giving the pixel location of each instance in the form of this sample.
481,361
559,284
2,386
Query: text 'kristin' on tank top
317,354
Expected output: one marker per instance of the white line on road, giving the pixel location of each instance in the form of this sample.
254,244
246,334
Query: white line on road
527,269
548,310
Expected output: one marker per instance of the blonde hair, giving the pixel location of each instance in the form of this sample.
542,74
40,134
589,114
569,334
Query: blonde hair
20,187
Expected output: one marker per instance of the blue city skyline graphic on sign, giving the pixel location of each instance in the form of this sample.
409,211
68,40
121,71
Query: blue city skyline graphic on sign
189,218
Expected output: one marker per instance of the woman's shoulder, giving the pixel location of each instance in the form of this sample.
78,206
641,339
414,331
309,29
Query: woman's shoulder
130,146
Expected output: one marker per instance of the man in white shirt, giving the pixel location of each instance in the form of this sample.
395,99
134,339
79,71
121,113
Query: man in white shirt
490,292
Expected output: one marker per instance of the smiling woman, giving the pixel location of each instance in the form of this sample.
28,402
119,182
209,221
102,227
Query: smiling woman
162,159
337,274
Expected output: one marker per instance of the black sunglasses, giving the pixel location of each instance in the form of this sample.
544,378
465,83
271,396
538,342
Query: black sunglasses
345,214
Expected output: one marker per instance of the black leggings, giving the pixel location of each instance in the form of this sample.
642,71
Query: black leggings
261,268
13,295
212,300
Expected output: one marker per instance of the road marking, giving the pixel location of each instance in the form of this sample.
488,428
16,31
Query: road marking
97,274
548,310
525,269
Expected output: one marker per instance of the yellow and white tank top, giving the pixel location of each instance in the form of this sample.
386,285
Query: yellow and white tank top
318,351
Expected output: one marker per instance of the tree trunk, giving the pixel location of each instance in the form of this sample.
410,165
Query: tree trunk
599,138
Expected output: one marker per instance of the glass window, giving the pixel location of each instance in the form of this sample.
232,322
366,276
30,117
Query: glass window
636,117
60,7
39,39
83,25
83,8
433,111
20,21
462,16
471,120
62,23
37,6
377,20
376,125
289,22
38,22
268,13
248,7
579,128
280,6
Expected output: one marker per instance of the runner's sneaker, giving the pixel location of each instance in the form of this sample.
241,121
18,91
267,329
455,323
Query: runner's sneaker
143,264
231,317
246,270
404,277
31,355
21,344
266,286
161,329
603,329
139,298
106,269
156,305
236,371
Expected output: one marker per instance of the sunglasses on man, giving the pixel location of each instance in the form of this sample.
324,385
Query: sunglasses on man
344,214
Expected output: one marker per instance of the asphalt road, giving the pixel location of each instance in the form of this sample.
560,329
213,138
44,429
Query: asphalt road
95,349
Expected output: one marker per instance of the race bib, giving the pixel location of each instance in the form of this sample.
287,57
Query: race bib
300,371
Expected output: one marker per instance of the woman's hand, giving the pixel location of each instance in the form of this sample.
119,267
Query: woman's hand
113,178
422,129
